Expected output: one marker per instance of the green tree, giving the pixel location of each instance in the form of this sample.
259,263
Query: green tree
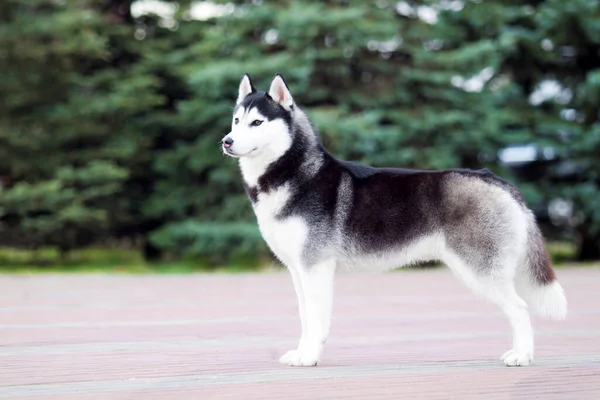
111,120
72,91
545,56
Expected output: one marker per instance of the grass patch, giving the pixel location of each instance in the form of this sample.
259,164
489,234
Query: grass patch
131,261
111,260
158,268
49,256
562,252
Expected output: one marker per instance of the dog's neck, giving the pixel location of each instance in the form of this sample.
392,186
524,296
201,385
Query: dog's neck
273,167
268,166
253,168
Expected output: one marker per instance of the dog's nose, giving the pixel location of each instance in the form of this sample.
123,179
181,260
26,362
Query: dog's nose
227,142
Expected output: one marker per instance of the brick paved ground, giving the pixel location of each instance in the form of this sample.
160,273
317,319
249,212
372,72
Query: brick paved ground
409,334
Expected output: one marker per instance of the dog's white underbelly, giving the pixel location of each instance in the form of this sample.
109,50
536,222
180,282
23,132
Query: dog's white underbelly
428,248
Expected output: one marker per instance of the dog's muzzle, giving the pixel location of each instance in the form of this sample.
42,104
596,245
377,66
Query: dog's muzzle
227,142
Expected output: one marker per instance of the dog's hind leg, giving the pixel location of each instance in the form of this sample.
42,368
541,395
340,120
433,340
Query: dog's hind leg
317,290
496,283
514,307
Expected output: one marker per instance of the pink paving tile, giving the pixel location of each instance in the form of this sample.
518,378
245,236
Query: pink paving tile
417,334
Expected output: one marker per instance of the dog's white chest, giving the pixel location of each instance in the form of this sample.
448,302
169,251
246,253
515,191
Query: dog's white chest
285,237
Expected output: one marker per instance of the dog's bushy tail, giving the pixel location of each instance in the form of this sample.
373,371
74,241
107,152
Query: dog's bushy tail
536,279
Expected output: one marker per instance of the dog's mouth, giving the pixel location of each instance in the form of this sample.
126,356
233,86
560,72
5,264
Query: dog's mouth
229,151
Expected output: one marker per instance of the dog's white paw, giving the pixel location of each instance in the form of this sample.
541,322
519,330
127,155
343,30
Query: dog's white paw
513,358
296,358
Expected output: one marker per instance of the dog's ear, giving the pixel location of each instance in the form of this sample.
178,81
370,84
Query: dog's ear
280,92
245,89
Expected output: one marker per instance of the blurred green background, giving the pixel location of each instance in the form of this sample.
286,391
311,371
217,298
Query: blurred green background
111,113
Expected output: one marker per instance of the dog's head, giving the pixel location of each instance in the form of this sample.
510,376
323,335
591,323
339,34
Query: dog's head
261,122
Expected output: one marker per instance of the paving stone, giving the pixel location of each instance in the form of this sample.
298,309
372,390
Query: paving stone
415,334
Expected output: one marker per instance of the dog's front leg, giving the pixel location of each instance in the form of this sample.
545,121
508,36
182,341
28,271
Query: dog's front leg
316,295
297,279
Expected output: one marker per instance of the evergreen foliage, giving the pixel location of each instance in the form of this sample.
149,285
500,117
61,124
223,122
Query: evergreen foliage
110,120
546,56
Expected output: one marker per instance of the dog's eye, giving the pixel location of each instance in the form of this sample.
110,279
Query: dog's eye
256,122
235,121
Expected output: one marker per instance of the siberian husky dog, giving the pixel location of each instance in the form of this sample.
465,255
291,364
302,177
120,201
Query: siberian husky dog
318,213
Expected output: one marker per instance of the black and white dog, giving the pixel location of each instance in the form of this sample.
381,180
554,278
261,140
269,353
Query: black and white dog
317,213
